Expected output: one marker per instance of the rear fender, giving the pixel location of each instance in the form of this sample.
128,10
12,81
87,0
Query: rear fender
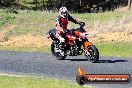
52,36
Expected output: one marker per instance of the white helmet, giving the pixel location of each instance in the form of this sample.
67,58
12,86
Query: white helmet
63,11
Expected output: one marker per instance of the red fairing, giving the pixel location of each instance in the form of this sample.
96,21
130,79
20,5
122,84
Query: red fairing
64,22
71,39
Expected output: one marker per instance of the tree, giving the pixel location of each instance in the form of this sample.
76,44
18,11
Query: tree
43,3
36,3
129,4
0,2
6,3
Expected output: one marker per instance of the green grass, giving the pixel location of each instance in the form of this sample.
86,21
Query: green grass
38,22
26,49
105,49
102,17
34,82
115,49
6,18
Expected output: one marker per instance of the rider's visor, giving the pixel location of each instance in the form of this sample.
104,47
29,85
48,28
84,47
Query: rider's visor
64,13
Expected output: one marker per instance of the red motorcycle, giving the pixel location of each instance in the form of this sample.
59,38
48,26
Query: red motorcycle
75,44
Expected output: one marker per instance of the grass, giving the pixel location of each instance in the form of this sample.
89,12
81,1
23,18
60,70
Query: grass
115,49
34,82
6,18
39,23
105,49
26,49
102,17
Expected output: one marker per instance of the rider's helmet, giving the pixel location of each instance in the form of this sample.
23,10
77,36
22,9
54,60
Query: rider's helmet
63,11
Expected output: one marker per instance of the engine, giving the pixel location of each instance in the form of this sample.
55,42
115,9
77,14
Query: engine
74,50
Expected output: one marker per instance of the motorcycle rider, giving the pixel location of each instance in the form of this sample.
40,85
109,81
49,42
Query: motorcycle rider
62,23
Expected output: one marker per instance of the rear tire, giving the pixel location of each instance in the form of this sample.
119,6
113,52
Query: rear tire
92,54
57,54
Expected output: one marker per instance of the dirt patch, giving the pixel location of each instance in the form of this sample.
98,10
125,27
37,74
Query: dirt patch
2,33
122,9
37,41
117,33
120,33
112,31
4,29
113,37
27,40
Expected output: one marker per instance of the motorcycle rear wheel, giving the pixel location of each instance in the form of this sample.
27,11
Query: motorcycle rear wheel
57,54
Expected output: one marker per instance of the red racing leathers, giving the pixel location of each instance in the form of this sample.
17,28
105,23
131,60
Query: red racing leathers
61,25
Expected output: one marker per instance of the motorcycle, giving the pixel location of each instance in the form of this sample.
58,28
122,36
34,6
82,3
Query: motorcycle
76,43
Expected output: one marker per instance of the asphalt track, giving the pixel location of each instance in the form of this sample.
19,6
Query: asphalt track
44,64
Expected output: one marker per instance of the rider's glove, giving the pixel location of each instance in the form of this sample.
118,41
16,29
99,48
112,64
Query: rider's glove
82,24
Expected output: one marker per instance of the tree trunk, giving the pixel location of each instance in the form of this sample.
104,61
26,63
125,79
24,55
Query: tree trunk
43,3
129,4
80,2
0,2
36,3
62,2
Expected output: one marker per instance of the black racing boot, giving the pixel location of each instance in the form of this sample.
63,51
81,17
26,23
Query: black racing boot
62,46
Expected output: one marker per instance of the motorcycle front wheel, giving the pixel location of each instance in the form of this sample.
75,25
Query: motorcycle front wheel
58,55
92,54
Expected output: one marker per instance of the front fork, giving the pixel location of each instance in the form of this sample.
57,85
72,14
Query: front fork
86,45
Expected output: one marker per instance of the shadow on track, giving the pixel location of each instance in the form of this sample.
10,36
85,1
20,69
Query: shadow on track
77,59
111,61
100,61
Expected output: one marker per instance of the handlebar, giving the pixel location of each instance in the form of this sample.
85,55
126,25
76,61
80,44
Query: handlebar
82,24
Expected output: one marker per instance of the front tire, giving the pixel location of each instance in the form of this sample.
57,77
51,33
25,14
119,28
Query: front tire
57,54
92,54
